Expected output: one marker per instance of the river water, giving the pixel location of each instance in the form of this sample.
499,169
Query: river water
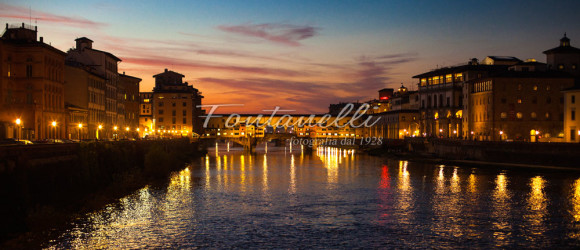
337,199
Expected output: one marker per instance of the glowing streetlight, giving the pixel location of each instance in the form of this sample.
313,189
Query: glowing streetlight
99,128
80,127
115,134
53,124
18,122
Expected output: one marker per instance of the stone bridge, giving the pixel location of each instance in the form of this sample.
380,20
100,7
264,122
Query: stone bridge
250,142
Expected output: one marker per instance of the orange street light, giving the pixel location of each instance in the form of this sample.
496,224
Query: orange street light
18,122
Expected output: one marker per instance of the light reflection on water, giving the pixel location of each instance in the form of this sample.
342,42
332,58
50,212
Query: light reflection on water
337,199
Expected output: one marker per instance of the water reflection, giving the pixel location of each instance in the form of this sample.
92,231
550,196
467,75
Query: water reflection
334,199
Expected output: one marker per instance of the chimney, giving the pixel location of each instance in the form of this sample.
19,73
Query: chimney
165,70
41,40
22,25
6,25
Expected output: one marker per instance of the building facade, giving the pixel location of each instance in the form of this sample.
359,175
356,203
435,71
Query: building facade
518,105
31,86
571,107
85,90
104,64
129,97
176,106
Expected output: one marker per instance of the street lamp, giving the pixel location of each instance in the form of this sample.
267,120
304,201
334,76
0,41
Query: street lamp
127,132
115,134
80,127
18,122
54,128
99,128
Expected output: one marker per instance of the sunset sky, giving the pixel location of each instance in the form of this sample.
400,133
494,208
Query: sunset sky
300,55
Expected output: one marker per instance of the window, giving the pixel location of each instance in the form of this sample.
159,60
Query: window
184,104
573,99
548,116
160,104
184,112
448,102
503,115
535,88
172,104
548,100
519,100
173,113
160,119
503,100
160,111
560,66
519,115
572,134
533,115
535,100
173,120
573,115
184,120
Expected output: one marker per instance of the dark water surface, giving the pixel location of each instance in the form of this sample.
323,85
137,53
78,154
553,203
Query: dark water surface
337,199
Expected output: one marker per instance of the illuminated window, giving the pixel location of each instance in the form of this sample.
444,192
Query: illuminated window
519,115
503,115
520,100
533,115
535,88
548,115
548,87
520,86
561,66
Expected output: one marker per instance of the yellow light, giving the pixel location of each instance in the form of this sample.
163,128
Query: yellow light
455,131
115,128
501,132
137,129
440,130
100,126
127,128
18,121
54,123
80,125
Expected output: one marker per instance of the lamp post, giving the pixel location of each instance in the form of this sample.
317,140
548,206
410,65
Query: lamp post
127,133
501,135
99,128
54,128
18,122
115,134
80,127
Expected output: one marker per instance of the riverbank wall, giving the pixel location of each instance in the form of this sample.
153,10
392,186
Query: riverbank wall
538,153
41,185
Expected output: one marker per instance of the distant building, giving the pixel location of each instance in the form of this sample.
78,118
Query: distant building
401,119
104,64
129,97
336,109
517,105
564,57
175,106
31,86
84,90
146,125
444,93
571,121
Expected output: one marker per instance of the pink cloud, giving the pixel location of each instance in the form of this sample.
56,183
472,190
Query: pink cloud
165,61
17,12
286,34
